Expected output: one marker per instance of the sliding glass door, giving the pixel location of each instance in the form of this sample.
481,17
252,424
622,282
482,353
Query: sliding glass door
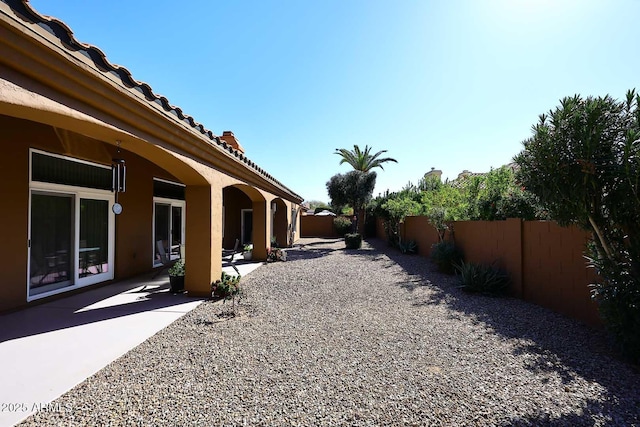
93,248
71,227
51,241
168,229
71,241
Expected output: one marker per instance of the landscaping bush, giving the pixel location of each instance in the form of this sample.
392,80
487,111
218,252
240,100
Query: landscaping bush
342,225
353,241
483,279
227,286
445,255
276,254
408,247
583,164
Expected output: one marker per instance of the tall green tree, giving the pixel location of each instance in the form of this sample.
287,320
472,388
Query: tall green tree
583,163
353,188
363,160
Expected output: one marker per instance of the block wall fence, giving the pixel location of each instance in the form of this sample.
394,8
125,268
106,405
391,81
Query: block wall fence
321,226
545,261
317,226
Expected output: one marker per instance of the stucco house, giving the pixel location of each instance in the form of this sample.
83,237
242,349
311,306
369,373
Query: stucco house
100,175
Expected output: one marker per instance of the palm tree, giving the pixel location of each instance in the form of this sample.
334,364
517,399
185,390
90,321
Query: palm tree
363,160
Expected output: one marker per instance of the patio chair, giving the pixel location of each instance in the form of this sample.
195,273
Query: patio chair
165,259
229,255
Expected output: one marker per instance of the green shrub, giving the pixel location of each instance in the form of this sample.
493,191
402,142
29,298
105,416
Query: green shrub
445,254
353,241
583,163
408,247
226,287
276,254
619,304
482,278
177,269
342,225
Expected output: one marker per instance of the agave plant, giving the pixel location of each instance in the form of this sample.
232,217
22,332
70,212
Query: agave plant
482,278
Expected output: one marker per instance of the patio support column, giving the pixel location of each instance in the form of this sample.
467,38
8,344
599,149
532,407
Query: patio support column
261,229
203,240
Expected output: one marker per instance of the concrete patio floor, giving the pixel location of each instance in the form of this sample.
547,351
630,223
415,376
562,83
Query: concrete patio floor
48,349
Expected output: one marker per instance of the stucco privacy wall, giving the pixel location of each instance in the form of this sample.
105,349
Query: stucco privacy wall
545,261
317,226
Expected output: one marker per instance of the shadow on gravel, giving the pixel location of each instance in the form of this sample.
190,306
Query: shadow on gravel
592,409
553,340
311,249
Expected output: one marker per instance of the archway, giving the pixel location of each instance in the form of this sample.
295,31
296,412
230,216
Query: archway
244,218
280,227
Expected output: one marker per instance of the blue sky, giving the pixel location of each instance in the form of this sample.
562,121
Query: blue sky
453,84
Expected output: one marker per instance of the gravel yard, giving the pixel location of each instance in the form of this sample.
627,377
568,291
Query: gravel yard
368,337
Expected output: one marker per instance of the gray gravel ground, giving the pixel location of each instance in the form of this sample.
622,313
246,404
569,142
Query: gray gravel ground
369,337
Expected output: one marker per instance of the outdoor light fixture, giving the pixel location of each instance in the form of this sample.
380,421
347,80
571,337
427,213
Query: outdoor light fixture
119,180
119,172
273,206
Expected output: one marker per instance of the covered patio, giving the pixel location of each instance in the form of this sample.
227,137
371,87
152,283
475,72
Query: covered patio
50,348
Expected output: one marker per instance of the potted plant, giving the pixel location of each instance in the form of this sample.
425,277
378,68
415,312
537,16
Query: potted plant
247,251
176,276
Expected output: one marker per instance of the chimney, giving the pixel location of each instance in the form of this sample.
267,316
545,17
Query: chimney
229,138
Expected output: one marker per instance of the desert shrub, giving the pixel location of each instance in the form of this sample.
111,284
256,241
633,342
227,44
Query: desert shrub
353,241
342,225
482,278
583,164
408,247
227,286
445,254
276,254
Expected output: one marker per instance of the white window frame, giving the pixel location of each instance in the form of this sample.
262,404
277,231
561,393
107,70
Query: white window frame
77,193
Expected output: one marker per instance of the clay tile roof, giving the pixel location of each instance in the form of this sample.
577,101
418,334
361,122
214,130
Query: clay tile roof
60,30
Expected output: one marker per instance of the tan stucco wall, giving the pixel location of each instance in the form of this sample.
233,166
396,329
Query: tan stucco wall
43,82
134,227
14,190
234,201
281,223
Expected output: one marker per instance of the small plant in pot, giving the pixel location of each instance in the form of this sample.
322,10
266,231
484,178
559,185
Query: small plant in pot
176,276
353,241
247,251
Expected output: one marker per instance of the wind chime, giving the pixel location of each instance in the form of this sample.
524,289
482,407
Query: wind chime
119,180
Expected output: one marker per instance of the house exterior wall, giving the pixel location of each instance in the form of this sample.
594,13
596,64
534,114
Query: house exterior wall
281,223
14,188
134,227
53,90
234,201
